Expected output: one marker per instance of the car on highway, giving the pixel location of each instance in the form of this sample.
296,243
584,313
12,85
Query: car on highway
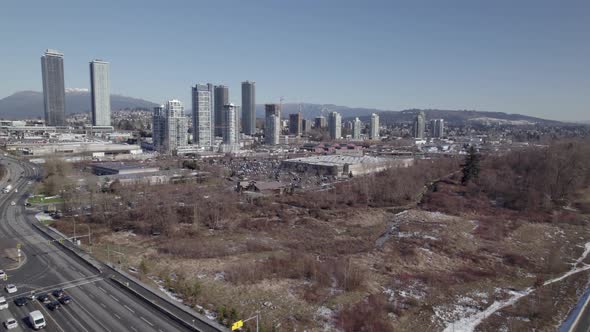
2,275
43,298
3,303
10,324
37,319
65,299
21,301
13,203
54,305
58,293
10,288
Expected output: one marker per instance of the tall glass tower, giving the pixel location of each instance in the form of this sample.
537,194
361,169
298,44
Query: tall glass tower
100,93
249,107
54,92
221,99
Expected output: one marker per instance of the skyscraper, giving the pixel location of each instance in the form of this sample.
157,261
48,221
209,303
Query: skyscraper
231,132
249,107
305,125
356,128
272,124
54,92
320,122
419,125
374,127
437,128
176,126
158,127
202,96
100,93
295,124
221,99
335,125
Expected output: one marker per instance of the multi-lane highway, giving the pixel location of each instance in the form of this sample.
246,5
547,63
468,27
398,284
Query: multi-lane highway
98,303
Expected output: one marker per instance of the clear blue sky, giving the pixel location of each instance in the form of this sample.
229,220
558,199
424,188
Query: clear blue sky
524,56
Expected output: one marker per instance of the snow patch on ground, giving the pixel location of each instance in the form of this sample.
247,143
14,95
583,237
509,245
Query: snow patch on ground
469,317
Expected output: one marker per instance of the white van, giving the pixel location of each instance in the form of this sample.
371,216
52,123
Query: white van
37,320
3,303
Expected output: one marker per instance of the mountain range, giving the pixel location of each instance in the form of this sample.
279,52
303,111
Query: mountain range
29,104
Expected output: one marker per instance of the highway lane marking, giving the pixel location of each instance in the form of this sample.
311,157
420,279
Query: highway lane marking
49,316
126,307
103,305
90,315
145,320
91,296
114,298
133,328
102,289
75,320
118,317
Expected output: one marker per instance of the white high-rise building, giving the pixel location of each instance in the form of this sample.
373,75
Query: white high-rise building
335,125
356,128
175,126
374,127
272,124
231,132
203,116
100,93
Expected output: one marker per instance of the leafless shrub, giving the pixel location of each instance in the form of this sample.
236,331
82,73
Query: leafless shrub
369,315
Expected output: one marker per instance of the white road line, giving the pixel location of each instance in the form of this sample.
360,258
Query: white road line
49,316
91,296
103,305
118,317
90,315
102,289
145,320
114,298
126,307
133,328
74,319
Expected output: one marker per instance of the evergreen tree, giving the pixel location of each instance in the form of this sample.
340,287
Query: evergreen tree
471,166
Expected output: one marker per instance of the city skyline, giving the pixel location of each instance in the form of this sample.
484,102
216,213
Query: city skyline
466,56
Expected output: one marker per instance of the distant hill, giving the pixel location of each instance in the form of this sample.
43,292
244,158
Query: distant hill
310,111
29,104
462,117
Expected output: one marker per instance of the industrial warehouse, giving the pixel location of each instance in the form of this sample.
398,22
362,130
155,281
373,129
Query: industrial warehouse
343,165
